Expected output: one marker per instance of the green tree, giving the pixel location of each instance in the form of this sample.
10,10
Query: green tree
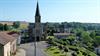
16,24
1,27
97,40
93,34
71,38
86,37
5,27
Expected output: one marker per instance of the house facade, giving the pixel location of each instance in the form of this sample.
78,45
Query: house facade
8,44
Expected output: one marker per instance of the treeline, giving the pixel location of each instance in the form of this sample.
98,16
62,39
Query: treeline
75,25
6,27
83,42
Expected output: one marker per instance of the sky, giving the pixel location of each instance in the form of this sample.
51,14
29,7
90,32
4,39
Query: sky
51,10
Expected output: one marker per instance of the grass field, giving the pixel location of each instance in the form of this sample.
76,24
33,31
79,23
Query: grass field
23,25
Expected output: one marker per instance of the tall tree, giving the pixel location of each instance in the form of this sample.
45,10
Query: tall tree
93,34
1,27
16,24
5,27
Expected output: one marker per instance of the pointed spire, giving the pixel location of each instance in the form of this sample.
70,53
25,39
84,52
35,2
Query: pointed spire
37,10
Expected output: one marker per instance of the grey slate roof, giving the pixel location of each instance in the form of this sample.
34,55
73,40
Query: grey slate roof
62,34
37,10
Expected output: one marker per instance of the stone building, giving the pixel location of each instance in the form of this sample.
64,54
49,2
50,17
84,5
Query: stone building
61,35
35,29
38,29
8,43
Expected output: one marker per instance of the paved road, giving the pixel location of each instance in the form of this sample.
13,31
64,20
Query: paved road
40,49
20,52
30,48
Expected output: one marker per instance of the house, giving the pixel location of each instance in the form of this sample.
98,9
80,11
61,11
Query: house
61,35
8,43
15,35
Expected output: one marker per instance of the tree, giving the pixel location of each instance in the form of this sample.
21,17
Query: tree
16,24
5,27
97,40
93,34
86,37
1,27
71,38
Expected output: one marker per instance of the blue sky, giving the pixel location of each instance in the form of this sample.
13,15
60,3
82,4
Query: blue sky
51,10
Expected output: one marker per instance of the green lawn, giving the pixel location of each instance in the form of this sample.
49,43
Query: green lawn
50,37
23,26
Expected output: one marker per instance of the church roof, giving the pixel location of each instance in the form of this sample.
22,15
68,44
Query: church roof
37,10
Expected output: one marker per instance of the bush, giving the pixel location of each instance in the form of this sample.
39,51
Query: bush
56,52
77,52
60,47
74,54
62,55
74,48
64,43
97,40
84,53
66,49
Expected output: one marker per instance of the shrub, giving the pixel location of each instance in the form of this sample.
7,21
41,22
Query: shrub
62,55
66,49
60,47
84,53
74,54
56,52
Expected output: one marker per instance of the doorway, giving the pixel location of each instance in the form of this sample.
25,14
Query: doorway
37,38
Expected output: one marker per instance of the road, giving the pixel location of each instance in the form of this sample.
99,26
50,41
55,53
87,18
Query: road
30,48
20,52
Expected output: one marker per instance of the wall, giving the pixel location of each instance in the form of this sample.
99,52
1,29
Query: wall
1,50
7,49
13,46
19,40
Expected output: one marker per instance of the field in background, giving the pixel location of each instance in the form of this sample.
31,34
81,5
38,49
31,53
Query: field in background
23,25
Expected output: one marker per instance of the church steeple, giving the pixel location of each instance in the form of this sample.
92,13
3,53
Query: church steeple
38,29
37,10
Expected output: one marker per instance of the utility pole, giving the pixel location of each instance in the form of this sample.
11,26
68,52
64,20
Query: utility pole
35,46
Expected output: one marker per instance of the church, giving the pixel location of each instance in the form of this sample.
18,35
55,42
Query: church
35,29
